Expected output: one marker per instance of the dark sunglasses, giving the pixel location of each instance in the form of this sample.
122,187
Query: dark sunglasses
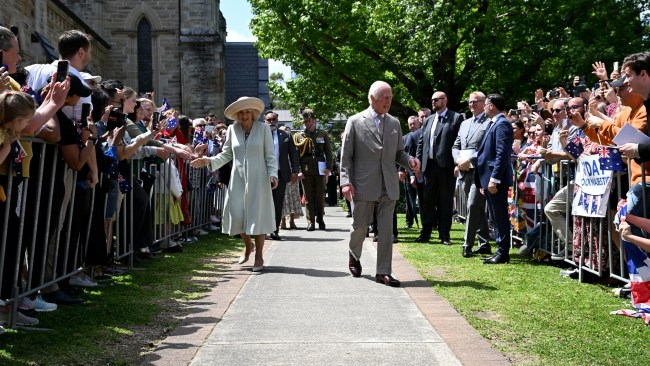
557,110
435,100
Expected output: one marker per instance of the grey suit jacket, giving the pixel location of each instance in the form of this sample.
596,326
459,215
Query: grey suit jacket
470,137
368,158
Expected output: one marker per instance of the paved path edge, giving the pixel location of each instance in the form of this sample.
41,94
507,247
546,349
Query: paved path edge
463,340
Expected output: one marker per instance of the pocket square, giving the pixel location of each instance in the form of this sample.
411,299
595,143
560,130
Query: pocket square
394,132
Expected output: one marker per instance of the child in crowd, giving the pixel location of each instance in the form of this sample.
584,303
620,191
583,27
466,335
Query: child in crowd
16,109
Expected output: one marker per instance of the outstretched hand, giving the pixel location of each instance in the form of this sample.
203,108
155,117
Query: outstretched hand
348,192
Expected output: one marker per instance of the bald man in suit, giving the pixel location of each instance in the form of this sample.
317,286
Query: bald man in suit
439,133
371,148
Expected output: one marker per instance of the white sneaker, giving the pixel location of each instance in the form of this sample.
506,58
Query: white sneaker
2,330
82,280
201,232
214,219
41,305
21,319
214,227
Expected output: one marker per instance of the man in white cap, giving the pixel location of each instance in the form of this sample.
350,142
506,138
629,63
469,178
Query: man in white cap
91,80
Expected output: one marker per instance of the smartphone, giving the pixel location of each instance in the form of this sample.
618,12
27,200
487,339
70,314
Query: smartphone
62,71
154,120
209,128
116,119
85,112
514,112
616,66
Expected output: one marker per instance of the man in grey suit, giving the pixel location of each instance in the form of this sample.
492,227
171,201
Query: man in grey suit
464,151
439,133
288,166
371,148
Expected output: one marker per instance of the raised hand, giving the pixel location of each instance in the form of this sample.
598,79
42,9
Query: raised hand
599,70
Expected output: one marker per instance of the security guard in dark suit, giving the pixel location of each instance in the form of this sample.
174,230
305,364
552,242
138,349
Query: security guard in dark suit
314,146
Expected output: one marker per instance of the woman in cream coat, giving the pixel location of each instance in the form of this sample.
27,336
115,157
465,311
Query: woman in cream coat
248,208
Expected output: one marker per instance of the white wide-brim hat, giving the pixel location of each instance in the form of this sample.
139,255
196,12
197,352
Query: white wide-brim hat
242,104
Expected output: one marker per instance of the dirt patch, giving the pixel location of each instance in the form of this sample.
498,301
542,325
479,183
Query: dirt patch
488,315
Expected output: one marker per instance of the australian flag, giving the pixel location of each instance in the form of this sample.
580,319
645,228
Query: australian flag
610,159
575,147
171,122
165,106
18,154
638,266
125,186
200,136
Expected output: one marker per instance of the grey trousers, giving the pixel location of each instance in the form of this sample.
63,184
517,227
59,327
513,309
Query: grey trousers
362,217
477,220
556,210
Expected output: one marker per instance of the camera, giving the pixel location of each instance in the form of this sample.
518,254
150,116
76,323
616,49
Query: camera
155,118
61,71
580,88
85,111
514,112
555,93
116,119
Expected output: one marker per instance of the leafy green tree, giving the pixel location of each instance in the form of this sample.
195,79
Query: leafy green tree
339,47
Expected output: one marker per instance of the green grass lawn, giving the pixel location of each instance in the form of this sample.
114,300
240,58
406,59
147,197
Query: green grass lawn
119,322
526,310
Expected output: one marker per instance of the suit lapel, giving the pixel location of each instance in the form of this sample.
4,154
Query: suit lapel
370,124
477,127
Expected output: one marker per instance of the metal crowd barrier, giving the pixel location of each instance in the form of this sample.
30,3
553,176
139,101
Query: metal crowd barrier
36,234
592,254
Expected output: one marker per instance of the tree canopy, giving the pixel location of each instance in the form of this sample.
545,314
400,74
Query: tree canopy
338,48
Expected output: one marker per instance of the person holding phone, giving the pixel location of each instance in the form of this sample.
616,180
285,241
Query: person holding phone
248,208
75,53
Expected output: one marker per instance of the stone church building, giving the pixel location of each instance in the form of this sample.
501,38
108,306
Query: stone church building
174,48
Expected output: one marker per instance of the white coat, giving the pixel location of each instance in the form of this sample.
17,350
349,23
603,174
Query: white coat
248,206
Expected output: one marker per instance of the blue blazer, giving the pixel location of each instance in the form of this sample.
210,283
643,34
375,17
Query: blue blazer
494,154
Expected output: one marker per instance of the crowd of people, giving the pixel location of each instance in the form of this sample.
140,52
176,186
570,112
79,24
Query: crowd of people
102,133
91,170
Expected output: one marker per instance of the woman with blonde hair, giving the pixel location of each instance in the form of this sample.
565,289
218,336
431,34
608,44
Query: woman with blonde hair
248,207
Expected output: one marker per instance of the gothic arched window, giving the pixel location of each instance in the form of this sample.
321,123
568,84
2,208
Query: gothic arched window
145,57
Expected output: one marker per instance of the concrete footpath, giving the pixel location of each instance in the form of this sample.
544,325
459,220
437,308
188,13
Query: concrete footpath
306,309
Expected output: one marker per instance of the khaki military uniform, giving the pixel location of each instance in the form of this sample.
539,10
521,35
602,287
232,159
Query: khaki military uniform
314,147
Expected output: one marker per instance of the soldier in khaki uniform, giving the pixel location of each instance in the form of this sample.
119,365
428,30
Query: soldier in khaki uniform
314,146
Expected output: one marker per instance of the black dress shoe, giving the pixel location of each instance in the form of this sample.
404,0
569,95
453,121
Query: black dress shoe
275,236
60,297
497,259
446,242
321,225
467,252
422,239
311,227
348,215
387,280
408,226
355,266
485,249
395,241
